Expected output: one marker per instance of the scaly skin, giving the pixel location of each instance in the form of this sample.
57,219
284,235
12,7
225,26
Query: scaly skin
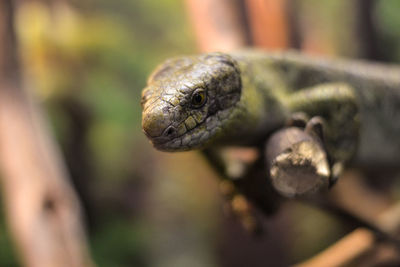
249,94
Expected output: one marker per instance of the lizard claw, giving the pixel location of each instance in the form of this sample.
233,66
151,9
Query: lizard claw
244,211
315,126
336,170
238,206
298,119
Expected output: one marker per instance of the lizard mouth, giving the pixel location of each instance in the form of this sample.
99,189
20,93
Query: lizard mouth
188,140
194,138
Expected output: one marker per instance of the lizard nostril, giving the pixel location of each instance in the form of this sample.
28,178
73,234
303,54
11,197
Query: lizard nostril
170,131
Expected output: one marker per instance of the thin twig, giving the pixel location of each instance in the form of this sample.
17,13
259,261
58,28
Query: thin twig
357,243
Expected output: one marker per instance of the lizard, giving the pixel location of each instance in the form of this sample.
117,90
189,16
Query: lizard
220,99
215,100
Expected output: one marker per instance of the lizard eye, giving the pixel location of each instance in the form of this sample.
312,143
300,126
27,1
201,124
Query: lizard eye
198,98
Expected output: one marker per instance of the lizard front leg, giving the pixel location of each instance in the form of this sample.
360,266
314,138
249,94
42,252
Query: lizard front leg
235,202
243,185
336,104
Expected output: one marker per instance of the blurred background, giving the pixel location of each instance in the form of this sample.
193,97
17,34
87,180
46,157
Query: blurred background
86,62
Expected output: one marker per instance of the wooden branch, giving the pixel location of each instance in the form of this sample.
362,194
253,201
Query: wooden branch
298,164
42,209
356,244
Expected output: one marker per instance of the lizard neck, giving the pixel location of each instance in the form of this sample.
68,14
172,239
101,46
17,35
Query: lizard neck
260,109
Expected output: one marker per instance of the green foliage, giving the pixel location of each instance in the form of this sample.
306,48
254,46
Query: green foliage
387,21
7,254
120,243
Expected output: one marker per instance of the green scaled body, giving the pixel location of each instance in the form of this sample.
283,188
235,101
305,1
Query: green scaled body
250,94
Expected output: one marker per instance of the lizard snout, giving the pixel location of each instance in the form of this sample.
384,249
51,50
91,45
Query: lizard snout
157,126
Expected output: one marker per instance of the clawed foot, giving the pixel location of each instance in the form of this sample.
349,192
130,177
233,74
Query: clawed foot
298,119
315,127
237,205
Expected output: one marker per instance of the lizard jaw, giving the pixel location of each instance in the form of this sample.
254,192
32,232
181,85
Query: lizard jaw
197,137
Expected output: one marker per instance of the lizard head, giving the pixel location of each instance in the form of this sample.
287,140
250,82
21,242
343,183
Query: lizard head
188,99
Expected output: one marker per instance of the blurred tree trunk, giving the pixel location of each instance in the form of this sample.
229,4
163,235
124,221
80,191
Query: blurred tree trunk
269,23
342,27
43,212
218,25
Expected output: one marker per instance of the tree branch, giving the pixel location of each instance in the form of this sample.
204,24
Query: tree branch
357,243
297,162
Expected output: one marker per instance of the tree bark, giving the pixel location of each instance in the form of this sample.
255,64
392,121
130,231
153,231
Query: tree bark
42,209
